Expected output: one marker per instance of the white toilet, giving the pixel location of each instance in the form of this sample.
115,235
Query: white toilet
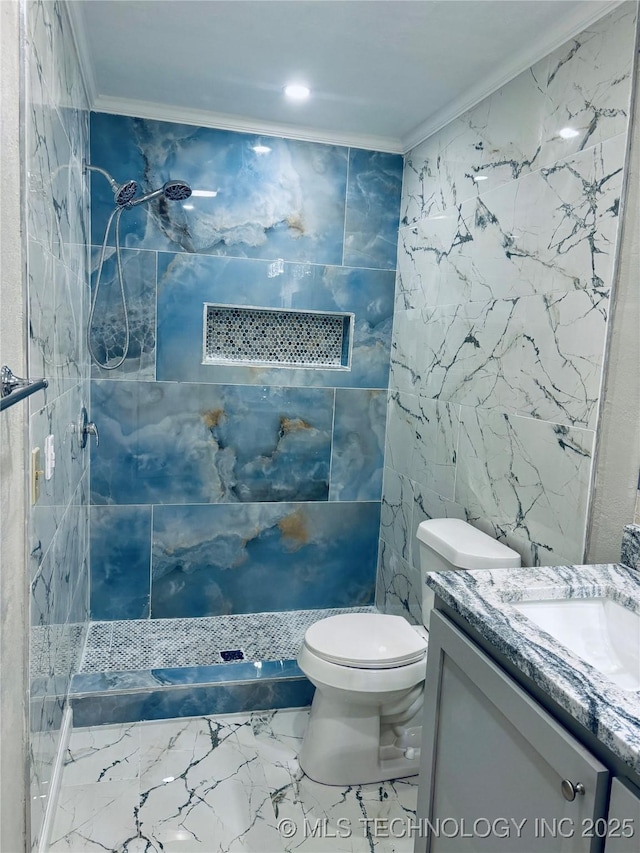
369,669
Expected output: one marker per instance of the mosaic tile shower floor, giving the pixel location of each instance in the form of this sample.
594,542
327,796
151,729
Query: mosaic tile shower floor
141,644
212,784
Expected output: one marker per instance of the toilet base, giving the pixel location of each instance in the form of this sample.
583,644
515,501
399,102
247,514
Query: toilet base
345,744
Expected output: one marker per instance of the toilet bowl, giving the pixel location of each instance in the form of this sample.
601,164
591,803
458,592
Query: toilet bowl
369,668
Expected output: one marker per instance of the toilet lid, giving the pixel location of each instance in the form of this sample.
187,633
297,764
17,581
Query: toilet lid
365,640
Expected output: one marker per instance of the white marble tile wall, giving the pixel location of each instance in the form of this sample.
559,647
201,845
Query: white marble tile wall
55,143
228,783
505,267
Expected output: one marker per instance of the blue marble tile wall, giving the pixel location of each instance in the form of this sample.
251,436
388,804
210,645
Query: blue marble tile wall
56,140
506,257
223,489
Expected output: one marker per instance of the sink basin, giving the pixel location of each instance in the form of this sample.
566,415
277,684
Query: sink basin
600,631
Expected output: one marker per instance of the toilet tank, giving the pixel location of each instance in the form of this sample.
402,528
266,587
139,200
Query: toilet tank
449,544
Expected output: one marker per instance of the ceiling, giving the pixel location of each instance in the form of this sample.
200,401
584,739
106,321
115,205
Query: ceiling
383,73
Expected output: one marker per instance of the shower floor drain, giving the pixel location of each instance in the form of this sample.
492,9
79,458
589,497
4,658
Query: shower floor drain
232,654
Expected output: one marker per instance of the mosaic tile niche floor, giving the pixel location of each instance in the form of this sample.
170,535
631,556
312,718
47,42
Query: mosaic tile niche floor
213,784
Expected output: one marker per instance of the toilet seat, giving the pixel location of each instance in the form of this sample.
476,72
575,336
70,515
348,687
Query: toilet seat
362,681
365,641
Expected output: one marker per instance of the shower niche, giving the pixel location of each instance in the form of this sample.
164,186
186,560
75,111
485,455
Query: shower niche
241,335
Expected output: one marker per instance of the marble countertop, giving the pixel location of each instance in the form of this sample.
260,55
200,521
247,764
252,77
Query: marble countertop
484,599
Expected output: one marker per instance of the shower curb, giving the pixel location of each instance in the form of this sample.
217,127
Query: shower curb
181,692
108,689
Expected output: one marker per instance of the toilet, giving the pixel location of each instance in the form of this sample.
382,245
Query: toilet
369,668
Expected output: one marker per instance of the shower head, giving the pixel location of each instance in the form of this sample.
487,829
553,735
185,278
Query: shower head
172,191
125,192
122,193
176,190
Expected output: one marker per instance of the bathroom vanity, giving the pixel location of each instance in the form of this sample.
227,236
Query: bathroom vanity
531,737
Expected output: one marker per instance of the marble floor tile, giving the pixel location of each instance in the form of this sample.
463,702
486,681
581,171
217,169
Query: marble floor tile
225,784
213,797
95,817
103,754
329,818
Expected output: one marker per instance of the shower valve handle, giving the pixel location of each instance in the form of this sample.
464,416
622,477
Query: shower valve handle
87,428
91,429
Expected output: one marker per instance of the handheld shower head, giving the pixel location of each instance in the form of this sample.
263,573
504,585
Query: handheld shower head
172,191
122,193
176,190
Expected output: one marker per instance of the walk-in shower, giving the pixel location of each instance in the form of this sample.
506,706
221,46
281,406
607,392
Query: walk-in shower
125,198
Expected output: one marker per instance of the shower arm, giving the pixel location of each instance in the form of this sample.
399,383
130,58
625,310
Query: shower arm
171,190
89,168
122,193
144,198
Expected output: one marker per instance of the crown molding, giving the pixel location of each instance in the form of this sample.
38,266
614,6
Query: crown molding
224,121
588,13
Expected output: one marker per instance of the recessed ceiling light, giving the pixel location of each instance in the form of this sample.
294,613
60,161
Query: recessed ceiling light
297,92
205,193
481,178
568,133
187,207
261,149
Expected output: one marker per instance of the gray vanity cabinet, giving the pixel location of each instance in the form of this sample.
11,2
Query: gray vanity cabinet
498,773
623,820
